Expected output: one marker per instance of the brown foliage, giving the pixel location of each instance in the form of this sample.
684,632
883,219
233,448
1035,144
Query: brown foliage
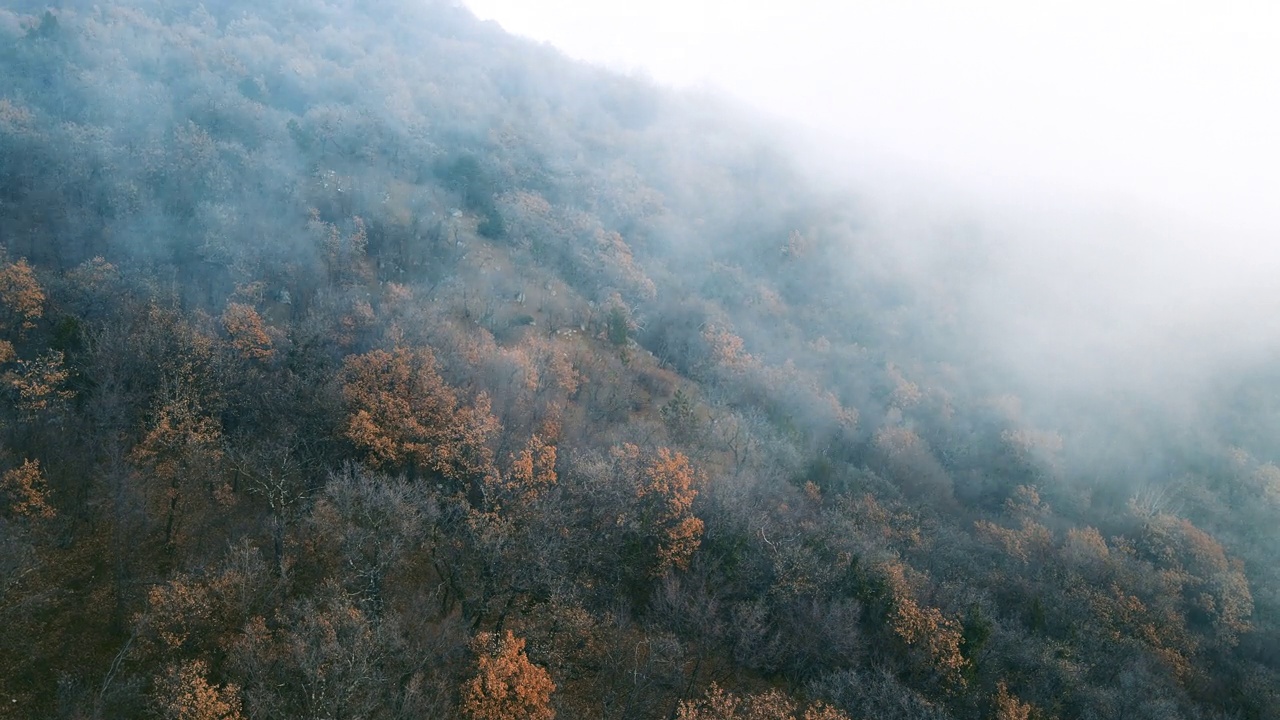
665,486
402,413
21,297
38,383
1212,585
717,704
910,461
1008,707
24,492
247,333
180,453
185,693
727,349
506,685
931,637
531,472
1031,541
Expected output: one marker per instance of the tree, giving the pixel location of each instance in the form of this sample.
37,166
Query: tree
930,640
179,453
21,297
1213,587
247,333
717,704
322,658
531,472
24,492
404,416
1008,707
506,686
185,693
38,383
664,485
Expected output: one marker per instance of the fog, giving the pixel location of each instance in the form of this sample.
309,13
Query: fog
904,362
1164,105
1120,160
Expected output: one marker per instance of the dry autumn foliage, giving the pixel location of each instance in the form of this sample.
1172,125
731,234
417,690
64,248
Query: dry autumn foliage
185,693
247,333
717,704
531,471
506,686
931,638
181,446
39,382
24,492
665,485
1008,707
404,416
21,297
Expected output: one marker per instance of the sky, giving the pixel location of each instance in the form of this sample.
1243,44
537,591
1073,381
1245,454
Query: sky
1168,105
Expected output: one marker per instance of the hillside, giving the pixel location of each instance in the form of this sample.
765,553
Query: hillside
362,361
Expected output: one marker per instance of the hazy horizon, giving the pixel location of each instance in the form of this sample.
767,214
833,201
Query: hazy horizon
1123,155
1152,106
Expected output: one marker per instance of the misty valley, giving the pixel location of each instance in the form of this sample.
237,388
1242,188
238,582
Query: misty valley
362,360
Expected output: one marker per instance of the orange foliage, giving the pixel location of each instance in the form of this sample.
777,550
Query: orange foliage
403,413
1031,541
905,394
531,472
21,297
552,365
1026,503
934,637
175,611
614,261
1125,615
1086,547
1211,584
184,693
873,519
180,436
37,382
1008,707
180,452
248,335
506,686
665,486
727,349
24,492
717,704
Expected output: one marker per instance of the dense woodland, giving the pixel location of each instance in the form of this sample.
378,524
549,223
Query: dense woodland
361,361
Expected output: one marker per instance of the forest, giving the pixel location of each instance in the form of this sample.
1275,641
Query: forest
361,360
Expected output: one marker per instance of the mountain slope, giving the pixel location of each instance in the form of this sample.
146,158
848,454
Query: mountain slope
365,361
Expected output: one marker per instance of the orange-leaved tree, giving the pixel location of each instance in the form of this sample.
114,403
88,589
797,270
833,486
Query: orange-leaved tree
930,640
21,297
718,704
506,686
23,492
1009,707
247,333
185,693
179,458
665,485
405,417
530,473
21,304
